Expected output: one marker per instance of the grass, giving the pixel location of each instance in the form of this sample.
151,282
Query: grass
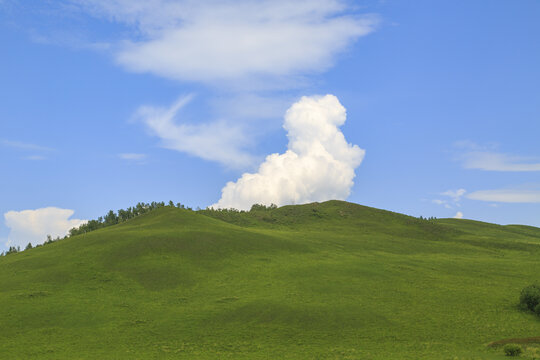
320,281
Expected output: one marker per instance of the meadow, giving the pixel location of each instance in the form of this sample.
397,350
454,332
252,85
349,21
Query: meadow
332,280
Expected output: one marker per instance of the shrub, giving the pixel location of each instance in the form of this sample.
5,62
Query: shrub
512,350
530,297
537,309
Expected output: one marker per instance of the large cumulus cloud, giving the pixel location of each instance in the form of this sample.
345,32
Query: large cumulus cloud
318,165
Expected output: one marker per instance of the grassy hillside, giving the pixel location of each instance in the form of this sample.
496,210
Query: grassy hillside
320,281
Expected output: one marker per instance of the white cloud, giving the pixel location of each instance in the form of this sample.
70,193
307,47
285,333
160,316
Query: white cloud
24,146
455,194
132,156
492,161
38,151
455,198
441,202
212,41
216,141
480,157
318,165
507,195
35,157
34,225
459,215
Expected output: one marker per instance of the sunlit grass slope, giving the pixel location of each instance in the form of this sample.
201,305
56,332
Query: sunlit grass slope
320,281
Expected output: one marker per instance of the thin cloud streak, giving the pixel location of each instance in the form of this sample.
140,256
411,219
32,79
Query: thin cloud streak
481,157
35,157
506,195
132,156
24,146
492,161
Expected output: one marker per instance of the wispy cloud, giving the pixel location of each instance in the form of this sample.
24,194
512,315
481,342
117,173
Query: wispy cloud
214,41
507,195
24,146
491,161
454,198
132,156
35,157
442,202
37,152
215,141
455,195
459,215
474,156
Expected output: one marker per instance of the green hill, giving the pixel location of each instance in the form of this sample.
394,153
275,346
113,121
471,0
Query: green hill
333,280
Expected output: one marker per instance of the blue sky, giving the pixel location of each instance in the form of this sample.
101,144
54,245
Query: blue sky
444,97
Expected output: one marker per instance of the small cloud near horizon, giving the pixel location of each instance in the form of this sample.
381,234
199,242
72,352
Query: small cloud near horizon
33,226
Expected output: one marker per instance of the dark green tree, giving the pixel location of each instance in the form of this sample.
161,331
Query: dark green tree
49,240
111,218
530,297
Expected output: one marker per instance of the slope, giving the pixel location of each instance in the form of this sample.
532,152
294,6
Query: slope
333,280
